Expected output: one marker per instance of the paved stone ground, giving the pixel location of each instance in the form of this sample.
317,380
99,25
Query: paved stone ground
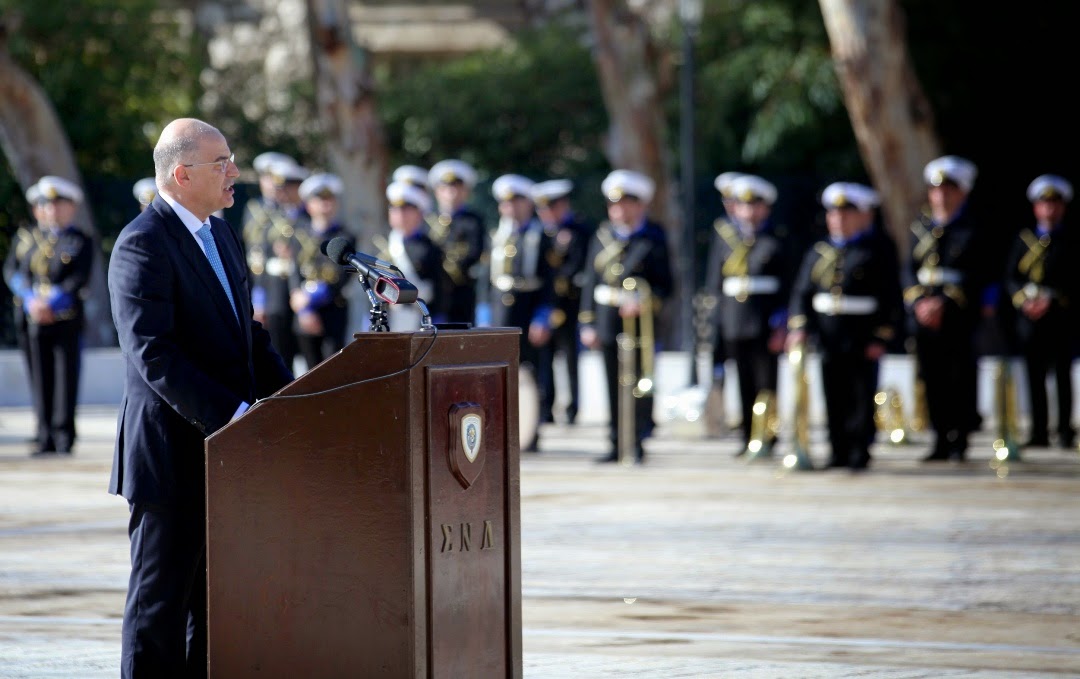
693,565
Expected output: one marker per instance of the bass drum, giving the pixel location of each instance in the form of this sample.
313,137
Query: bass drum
528,407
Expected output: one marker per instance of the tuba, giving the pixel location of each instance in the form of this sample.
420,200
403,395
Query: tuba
637,337
799,458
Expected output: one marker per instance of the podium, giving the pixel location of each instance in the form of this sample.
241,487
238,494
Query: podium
364,521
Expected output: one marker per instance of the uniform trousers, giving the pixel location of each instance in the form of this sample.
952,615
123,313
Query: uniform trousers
758,369
947,364
643,406
564,340
849,381
55,364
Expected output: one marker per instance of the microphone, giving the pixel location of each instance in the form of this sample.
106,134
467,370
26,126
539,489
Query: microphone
383,277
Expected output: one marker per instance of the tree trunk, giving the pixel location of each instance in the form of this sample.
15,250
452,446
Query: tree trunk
635,77
35,144
890,114
345,100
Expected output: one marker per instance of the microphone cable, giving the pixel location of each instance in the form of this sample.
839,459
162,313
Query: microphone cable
349,385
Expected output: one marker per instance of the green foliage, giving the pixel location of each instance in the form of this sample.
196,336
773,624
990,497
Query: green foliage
533,109
116,71
768,95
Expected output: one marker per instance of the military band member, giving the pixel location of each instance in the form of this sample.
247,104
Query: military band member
50,279
411,250
1042,281
144,191
272,249
756,260
459,231
947,271
522,294
847,297
627,245
709,314
568,236
316,294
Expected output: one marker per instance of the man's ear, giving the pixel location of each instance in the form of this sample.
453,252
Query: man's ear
180,175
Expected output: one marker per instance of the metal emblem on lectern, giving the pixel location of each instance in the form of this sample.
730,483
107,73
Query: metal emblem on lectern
465,454
470,436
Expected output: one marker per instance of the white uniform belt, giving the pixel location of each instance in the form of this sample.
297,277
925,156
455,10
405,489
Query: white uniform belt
276,266
740,286
506,283
933,275
609,295
843,305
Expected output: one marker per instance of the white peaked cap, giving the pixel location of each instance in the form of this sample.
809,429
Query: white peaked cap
627,183
510,185
1049,186
263,161
287,171
448,171
51,187
413,174
404,193
958,170
748,187
551,190
724,181
842,194
144,190
318,183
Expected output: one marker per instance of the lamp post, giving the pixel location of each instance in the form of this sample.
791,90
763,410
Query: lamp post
690,20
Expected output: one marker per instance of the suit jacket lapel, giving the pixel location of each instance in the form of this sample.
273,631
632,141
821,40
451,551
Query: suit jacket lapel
199,263
235,264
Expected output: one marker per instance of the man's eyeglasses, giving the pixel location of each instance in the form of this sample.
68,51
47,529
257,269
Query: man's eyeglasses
223,165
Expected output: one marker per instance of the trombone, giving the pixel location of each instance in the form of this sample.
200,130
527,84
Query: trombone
1006,446
764,427
637,338
799,458
889,415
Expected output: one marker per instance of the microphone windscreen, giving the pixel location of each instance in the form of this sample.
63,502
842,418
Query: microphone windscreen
338,250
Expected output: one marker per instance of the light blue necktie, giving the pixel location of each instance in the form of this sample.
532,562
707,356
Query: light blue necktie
215,262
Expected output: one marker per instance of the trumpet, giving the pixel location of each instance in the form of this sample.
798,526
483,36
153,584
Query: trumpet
889,415
764,427
1006,446
637,339
799,458
920,418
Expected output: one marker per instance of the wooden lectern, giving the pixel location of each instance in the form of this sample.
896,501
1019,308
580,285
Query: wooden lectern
364,521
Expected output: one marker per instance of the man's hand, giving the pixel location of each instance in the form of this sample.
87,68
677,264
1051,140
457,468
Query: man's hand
929,312
1035,308
298,300
310,323
40,312
795,339
875,350
777,339
539,334
589,338
630,309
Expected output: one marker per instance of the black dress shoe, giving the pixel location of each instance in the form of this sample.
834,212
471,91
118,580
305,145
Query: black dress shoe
1037,442
1067,440
836,463
607,459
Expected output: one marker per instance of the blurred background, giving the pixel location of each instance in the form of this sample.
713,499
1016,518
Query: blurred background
802,93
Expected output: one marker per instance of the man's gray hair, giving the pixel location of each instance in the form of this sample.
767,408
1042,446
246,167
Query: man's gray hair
179,139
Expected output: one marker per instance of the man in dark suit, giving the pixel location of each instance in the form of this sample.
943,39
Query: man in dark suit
195,360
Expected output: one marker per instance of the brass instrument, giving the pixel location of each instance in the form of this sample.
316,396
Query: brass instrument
636,338
920,417
799,458
889,415
764,427
1006,446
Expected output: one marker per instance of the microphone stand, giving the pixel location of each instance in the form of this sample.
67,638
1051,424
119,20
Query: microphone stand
379,320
